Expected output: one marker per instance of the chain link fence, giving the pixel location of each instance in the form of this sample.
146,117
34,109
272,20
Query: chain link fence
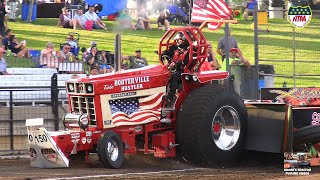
292,52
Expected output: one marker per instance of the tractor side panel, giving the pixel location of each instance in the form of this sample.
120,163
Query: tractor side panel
266,127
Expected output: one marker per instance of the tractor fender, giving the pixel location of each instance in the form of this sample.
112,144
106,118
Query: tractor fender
207,76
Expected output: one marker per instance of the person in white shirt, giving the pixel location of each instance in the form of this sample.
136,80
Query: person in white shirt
67,22
92,16
81,17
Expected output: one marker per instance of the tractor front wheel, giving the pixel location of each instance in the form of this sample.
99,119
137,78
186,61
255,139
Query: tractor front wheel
110,150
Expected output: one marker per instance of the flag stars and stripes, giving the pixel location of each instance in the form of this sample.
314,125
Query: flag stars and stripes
136,110
214,9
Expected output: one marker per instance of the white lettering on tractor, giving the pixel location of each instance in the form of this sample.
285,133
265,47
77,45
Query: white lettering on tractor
129,84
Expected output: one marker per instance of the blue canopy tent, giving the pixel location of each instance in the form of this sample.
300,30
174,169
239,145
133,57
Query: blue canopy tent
109,6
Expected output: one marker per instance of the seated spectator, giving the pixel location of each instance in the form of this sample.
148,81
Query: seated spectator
163,23
86,52
92,60
125,20
3,63
65,55
92,16
19,49
81,17
248,6
136,61
6,40
105,67
66,20
73,43
143,21
48,57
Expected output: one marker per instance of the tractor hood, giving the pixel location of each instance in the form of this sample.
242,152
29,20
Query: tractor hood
122,81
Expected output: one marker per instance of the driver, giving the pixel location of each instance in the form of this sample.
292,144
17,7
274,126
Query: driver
177,55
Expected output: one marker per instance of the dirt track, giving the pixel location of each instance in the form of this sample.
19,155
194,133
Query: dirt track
146,167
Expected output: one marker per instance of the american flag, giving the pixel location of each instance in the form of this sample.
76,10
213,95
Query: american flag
132,111
210,9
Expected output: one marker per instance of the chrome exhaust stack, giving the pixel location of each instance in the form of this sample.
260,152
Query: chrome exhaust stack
117,53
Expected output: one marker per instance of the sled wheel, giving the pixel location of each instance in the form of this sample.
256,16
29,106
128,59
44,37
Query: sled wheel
110,150
211,125
308,134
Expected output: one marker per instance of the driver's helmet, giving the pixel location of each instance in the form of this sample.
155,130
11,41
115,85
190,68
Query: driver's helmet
179,36
184,42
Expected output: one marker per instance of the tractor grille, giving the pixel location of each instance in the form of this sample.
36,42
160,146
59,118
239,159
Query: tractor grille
84,105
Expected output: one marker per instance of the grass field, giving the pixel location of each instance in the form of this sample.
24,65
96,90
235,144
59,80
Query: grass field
276,45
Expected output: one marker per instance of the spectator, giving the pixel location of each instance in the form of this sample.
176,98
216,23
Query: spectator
88,51
72,42
221,49
75,76
17,48
212,59
248,6
125,20
13,8
65,55
3,63
143,21
94,71
163,23
237,58
233,45
6,40
136,61
3,20
66,20
81,17
92,60
92,16
105,67
48,57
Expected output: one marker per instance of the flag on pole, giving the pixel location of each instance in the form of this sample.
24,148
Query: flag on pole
210,9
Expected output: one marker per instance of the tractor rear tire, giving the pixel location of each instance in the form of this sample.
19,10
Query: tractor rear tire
308,134
211,125
110,150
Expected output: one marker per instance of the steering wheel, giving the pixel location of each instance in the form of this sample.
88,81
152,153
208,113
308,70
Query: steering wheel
171,65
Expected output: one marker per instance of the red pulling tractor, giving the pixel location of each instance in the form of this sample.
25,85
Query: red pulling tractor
123,112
